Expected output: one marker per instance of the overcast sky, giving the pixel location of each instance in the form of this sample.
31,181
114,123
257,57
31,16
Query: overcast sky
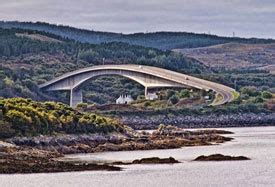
248,18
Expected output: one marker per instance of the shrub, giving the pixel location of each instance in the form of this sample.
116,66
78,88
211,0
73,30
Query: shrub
147,104
266,95
251,91
184,93
82,105
258,100
26,117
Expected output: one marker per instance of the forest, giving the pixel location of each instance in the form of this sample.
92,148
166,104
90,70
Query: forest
159,40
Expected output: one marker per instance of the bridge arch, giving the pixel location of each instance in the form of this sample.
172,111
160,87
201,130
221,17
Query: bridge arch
149,77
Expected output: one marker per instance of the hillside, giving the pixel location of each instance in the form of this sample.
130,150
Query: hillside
235,56
26,62
243,64
39,37
159,40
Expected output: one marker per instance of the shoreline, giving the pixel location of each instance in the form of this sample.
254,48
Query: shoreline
30,158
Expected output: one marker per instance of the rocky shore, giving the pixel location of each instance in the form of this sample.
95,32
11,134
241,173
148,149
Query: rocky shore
166,137
45,153
199,121
15,159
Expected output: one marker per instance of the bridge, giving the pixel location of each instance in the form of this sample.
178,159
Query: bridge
148,76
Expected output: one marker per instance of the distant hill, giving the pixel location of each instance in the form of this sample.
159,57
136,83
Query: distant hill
235,56
159,40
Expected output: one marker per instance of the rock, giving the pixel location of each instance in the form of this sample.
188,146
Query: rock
220,157
115,140
168,130
83,148
107,147
211,131
6,144
166,137
151,160
152,121
156,160
120,163
31,160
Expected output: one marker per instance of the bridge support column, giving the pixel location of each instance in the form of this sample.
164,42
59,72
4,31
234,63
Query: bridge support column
76,97
146,92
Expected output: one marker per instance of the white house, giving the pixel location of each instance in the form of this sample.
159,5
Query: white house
124,99
152,96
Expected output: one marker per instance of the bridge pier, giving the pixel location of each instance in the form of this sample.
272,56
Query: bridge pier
146,92
75,97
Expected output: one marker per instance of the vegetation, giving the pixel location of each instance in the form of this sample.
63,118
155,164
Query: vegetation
244,103
159,40
25,117
266,95
26,63
263,81
173,98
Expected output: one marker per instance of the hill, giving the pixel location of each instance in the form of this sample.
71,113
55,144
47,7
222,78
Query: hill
39,37
159,40
26,62
235,56
244,64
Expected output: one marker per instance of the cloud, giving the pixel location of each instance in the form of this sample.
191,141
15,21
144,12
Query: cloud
245,17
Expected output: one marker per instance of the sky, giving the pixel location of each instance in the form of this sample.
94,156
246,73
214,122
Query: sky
246,18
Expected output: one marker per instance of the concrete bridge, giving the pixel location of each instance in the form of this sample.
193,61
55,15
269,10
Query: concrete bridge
148,76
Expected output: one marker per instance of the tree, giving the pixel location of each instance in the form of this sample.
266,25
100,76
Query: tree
174,99
89,56
170,93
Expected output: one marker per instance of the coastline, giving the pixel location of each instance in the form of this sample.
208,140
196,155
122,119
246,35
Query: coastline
29,156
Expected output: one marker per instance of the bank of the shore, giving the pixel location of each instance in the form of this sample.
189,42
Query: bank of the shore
199,121
43,153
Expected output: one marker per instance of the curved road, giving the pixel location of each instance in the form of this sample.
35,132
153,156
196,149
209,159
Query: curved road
224,94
